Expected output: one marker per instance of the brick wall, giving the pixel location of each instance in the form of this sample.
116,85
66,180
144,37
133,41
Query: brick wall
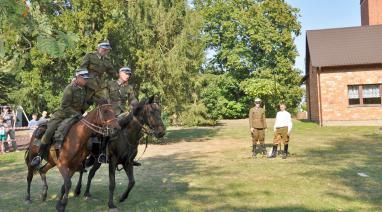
371,12
334,94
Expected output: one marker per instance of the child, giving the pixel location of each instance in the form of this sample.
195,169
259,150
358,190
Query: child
3,135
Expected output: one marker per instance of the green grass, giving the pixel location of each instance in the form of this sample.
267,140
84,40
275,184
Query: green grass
211,169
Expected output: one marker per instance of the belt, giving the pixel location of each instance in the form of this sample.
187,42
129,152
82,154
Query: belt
281,127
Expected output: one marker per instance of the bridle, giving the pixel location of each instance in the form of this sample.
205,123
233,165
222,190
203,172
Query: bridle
104,128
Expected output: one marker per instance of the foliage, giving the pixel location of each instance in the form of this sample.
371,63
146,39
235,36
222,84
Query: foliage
196,115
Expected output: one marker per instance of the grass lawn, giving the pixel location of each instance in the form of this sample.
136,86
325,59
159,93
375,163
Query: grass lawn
210,169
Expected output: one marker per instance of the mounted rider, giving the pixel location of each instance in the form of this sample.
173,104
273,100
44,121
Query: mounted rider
75,101
98,63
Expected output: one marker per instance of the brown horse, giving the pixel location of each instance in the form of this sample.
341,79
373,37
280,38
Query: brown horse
101,120
124,148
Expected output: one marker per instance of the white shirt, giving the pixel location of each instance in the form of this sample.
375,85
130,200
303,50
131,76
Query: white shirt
283,119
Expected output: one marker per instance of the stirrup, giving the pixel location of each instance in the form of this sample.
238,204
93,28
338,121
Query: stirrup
99,158
34,161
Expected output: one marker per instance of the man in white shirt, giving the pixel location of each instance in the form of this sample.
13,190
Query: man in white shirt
282,129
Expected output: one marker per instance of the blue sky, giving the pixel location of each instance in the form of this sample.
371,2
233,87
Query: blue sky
323,14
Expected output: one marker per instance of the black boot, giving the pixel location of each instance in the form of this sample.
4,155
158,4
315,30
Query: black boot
274,152
42,154
254,150
264,149
285,154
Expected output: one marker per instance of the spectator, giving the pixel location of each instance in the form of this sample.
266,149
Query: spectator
9,118
3,135
33,124
44,117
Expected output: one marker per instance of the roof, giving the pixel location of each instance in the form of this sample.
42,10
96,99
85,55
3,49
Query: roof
345,46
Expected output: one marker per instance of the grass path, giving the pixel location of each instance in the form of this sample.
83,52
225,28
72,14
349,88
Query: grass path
210,169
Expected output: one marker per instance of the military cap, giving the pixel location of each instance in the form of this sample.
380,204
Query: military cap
257,100
84,73
125,69
104,45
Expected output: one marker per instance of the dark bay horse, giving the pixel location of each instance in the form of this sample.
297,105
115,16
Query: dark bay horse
124,148
100,120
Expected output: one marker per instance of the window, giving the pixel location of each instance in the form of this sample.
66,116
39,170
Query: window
371,94
364,94
353,94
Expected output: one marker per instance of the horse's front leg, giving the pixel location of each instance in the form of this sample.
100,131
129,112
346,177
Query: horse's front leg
112,166
129,169
67,175
92,172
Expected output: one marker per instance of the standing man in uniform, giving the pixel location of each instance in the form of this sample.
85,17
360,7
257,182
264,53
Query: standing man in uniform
98,63
258,124
282,129
73,103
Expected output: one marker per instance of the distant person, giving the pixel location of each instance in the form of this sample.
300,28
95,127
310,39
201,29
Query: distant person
258,124
282,129
10,118
33,124
44,117
3,135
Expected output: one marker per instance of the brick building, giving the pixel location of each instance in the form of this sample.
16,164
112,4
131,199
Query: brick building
344,71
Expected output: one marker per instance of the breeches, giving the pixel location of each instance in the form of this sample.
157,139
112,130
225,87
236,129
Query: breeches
52,126
258,135
281,136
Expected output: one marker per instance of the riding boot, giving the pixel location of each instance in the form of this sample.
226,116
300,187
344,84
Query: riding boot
42,154
285,154
102,158
254,150
264,149
274,152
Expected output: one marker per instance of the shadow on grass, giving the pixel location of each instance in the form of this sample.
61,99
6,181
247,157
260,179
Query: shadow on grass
351,157
190,134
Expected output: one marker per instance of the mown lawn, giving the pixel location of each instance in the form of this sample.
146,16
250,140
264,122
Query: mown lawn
210,169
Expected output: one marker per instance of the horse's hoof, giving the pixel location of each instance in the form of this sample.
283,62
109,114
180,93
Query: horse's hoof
87,196
77,193
113,209
122,199
28,201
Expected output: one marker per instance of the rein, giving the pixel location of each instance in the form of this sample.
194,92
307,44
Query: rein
104,130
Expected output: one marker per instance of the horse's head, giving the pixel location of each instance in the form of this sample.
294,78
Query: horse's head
148,112
103,116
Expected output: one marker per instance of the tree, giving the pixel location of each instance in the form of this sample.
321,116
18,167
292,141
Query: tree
253,40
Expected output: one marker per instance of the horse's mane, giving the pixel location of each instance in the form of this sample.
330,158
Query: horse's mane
125,120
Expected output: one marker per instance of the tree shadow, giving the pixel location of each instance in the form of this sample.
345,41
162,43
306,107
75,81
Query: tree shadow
198,134
355,162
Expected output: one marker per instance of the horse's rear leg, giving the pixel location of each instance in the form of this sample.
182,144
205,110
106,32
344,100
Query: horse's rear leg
29,181
130,174
44,189
92,172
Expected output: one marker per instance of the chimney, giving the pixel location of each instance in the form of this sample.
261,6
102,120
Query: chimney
371,12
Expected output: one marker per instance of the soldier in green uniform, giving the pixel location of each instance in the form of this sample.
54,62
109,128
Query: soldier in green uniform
73,103
121,92
258,124
98,63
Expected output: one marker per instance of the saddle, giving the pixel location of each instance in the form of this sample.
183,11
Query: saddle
59,134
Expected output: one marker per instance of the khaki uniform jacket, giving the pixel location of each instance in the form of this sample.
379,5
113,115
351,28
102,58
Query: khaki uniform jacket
119,95
97,67
74,102
257,118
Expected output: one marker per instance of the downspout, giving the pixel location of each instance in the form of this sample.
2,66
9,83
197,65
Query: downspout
319,96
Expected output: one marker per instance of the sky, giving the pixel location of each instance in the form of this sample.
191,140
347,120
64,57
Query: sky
323,14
